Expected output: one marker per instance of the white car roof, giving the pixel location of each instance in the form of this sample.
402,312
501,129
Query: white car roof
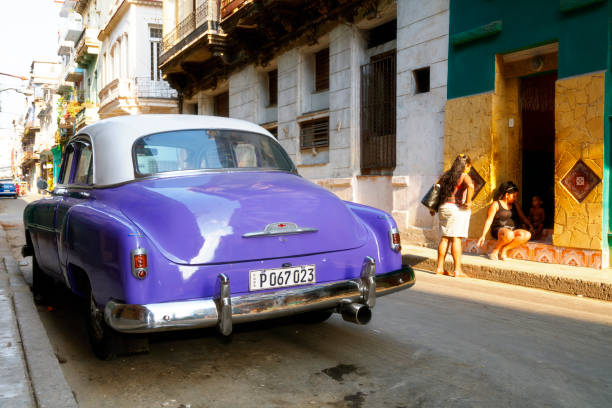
112,139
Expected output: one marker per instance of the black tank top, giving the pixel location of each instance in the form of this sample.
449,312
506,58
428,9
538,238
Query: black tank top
503,218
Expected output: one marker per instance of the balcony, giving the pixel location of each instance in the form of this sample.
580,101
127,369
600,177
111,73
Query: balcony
139,95
229,6
73,28
73,73
203,19
86,116
87,47
118,88
148,88
65,47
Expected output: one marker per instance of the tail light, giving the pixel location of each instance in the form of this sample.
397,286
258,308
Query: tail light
140,263
395,240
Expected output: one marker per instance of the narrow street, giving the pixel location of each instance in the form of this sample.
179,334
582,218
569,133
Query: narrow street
445,342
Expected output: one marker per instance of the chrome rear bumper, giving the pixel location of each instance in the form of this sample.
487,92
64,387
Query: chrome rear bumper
223,311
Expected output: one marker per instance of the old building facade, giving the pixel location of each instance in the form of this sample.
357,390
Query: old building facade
40,126
129,81
355,91
529,100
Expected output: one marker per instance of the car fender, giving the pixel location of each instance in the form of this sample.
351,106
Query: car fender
380,224
97,239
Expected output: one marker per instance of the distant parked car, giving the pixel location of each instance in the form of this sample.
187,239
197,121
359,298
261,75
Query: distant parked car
166,222
7,188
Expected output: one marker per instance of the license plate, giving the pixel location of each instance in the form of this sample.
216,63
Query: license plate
282,277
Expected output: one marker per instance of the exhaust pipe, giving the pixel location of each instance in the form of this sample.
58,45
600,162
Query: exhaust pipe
355,313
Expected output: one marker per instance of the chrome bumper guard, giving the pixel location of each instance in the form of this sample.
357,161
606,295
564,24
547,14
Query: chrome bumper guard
224,310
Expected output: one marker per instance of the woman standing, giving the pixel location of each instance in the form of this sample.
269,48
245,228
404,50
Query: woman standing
501,219
456,191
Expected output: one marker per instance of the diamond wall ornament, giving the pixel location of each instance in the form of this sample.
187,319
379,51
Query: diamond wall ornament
477,180
580,180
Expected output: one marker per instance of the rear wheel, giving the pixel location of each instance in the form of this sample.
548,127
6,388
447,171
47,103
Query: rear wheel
106,343
42,284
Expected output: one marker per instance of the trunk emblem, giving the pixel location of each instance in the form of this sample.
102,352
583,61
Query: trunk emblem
279,228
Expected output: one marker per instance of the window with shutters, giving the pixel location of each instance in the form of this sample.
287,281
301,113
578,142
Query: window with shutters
155,36
314,133
322,70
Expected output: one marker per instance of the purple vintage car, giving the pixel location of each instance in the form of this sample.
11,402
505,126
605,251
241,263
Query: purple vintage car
166,222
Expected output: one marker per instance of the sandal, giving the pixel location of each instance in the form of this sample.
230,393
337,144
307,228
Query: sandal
503,257
493,257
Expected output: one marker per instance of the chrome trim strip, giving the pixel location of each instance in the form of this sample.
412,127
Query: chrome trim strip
275,233
199,313
41,227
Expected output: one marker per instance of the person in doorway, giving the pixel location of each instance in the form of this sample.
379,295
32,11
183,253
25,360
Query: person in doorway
456,191
537,215
501,219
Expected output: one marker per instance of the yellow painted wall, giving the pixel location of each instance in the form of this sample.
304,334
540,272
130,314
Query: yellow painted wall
467,129
507,139
579,133
478,125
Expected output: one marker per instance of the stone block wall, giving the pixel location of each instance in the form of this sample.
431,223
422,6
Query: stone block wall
468,129
579,134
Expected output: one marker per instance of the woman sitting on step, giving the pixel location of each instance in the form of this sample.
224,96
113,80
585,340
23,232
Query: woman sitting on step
501,219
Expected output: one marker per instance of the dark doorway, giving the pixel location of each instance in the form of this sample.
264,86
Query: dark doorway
537,103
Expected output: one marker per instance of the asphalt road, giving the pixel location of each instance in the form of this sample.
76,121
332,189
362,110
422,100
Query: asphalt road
444,343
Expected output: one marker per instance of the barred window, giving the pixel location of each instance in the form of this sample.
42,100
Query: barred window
314,133
322,70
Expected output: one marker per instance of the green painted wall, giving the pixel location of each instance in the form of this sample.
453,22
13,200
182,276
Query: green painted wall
607,210
582,37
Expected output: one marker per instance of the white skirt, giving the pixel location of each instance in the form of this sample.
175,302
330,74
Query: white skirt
454,221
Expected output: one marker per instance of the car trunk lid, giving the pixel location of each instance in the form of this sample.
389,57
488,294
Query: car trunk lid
240,216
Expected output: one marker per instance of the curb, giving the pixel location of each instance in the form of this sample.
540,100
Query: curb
516,274
47,380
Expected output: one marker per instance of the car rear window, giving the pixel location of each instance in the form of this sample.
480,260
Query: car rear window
209,150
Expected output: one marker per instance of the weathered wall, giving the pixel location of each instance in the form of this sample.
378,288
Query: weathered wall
579,134
422,41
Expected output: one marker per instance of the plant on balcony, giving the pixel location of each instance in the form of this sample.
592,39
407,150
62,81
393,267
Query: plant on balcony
67,110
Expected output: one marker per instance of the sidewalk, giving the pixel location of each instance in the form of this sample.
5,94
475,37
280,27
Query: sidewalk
30,375
593,283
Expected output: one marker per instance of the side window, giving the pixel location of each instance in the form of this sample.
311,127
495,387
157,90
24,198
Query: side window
69,158
84,173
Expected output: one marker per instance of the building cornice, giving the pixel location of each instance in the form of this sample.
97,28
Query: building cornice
118,13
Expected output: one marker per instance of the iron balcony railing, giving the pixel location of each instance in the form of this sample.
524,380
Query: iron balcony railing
149,88
194,20
228,7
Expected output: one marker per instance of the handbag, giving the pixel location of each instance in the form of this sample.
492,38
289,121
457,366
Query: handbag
432,198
